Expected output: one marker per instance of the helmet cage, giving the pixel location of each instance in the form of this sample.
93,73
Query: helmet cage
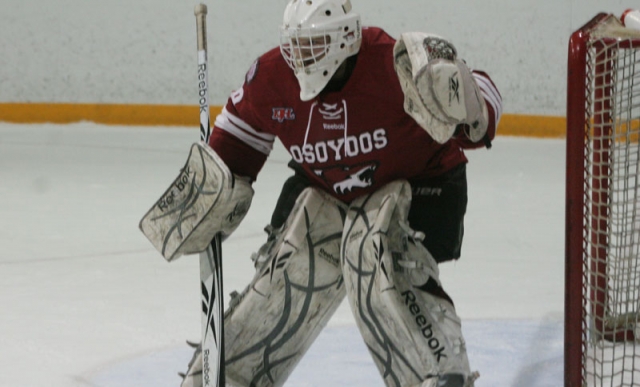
310,50
315,42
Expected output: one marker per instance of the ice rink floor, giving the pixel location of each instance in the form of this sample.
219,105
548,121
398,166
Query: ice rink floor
85,300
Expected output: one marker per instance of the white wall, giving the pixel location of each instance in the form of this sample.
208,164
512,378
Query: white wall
143,51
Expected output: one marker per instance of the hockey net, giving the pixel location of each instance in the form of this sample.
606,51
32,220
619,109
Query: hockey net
602,316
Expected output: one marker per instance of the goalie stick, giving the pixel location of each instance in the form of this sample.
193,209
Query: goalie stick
211,259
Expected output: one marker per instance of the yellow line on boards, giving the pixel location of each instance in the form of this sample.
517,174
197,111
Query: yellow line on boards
532,126
110,114
187,115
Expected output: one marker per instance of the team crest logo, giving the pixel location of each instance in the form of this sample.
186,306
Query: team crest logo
347,178
280,114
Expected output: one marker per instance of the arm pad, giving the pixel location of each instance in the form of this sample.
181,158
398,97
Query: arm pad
205,199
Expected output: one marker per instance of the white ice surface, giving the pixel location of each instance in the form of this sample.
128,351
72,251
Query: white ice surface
85,300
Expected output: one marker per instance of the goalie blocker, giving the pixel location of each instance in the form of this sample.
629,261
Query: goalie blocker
205,198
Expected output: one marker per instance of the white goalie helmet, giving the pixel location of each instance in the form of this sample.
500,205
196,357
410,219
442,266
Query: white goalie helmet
315,38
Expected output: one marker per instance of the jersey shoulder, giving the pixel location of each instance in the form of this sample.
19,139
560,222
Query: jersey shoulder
375,59
377,49
375,38
378,34
270,65
269,77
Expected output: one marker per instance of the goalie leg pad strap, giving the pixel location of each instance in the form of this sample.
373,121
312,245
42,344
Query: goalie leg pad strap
297,288
205,198
392,284
193,376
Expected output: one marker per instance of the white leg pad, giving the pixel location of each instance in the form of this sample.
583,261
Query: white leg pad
412,335
296,290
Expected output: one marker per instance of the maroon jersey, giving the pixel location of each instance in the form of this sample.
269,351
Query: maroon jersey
350,142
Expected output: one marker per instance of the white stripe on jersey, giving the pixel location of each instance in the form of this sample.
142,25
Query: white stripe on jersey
490,93
262,142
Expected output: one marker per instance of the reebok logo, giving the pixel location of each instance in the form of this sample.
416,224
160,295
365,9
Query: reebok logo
329,257
454,88
239,210
202,87
206,370
333,126
425,326
331,111
180,183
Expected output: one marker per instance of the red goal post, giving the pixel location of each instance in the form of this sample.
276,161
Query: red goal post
602,240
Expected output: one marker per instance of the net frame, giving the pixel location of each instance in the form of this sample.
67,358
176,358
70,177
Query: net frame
602,237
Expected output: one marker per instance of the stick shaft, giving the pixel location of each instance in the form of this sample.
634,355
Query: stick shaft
210,260
201,26
203,72
212,315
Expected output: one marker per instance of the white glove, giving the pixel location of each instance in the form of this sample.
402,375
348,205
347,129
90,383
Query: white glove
440,91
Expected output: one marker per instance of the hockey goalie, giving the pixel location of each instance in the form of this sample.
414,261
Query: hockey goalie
376,128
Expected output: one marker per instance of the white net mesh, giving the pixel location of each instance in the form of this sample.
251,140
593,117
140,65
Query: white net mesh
612,208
